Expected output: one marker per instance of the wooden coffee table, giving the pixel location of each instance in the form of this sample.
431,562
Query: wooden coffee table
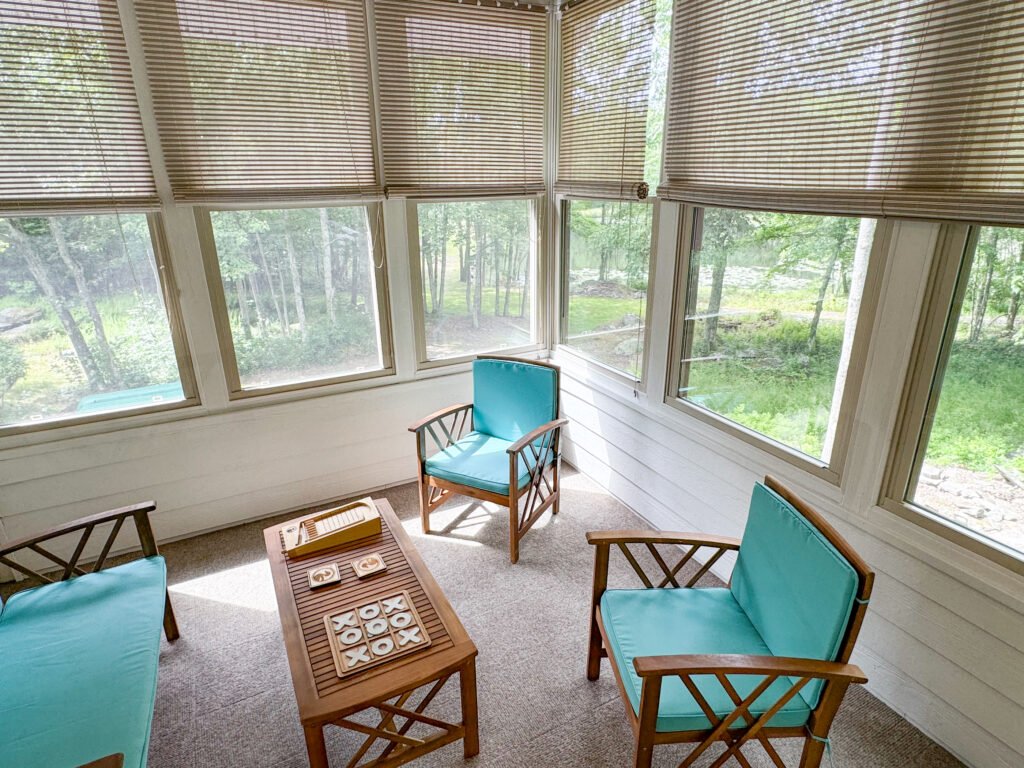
326,699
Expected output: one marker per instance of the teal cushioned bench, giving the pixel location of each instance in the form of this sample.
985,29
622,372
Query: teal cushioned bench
78,667
791,595
654,622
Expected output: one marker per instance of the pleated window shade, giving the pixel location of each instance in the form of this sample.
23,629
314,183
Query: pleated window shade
70,132
461,97
264,99
606,71
911,108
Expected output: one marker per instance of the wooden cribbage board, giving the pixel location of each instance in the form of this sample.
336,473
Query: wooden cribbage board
312,605
366,635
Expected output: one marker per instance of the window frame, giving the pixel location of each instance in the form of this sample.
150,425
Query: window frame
419,310
176,326
947,282
562,331
834,469
222,320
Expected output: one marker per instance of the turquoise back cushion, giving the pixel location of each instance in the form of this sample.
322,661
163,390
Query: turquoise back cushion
511,399
794,586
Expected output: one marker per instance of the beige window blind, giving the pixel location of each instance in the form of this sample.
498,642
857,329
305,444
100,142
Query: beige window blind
461,97
911,108
70,132
606,71
264,99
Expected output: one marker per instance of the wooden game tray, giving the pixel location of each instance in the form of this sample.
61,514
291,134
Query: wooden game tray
373,632
330,527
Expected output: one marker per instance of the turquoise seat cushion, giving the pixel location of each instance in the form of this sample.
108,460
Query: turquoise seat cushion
511,399
78,666
792,583
654,622
479,461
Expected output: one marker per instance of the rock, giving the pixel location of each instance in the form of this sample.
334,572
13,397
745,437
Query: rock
626,348
12,317
931,473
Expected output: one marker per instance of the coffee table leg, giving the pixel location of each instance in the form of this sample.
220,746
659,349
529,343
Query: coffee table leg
467,682
315,746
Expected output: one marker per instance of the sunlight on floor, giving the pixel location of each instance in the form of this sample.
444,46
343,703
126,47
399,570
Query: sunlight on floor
247,586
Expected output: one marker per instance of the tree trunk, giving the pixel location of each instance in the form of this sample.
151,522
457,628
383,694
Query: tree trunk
444,259
981,296
328,262
357,253
243,306
428,261
254,290
82,284
281,318
715,301
508,276
497,277
605,254
469,270
812,336
478,289
293,266
1014,307
37,267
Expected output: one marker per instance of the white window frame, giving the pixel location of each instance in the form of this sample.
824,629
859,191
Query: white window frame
947,283
832,470
538,315
222,321
182,354
564,256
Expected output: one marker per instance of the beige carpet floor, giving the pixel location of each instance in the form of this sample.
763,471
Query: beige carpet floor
225,699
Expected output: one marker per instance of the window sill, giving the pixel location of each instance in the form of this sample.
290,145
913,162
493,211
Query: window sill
574,358
972,541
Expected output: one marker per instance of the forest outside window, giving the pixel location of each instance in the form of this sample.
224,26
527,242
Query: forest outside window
84,328
477,262
300,290
771,305
969,465
607,259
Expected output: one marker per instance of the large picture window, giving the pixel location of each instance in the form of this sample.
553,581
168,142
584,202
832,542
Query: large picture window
607,253
771,306
477,263
83,324
969,465
300,295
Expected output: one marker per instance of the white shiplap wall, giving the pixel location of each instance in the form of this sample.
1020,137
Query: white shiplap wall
944,640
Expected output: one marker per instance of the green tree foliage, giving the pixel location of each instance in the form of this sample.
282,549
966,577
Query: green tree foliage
12,368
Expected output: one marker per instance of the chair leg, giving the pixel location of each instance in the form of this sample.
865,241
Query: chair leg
554,484
513,534
643,756
812,754
594,652
170,623
424,503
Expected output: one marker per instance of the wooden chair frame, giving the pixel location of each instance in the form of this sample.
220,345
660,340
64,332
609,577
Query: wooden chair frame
540,452
739,727
139,513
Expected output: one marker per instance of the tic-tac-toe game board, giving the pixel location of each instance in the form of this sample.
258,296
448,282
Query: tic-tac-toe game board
374,632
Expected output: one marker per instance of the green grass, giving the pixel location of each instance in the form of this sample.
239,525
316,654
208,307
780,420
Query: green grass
979,422
589,313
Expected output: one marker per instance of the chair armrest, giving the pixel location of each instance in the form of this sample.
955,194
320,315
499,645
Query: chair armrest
140,512
543,429
444,412
662,537
737,664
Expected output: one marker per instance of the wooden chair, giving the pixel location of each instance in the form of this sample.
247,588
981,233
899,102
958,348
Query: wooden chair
767,656
503,447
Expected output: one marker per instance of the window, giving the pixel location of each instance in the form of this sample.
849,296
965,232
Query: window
477,263
607,252
300,295
969,464
83,324
771,304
